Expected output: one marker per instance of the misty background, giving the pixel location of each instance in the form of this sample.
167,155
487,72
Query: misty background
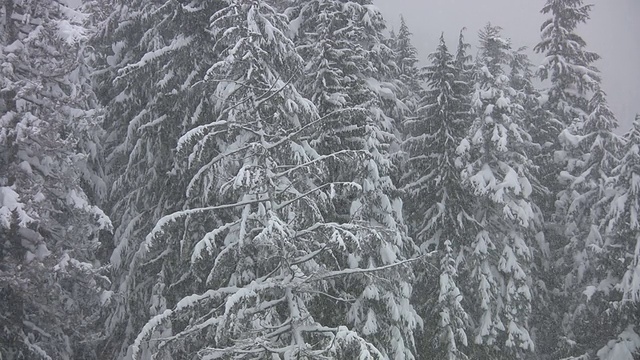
613,32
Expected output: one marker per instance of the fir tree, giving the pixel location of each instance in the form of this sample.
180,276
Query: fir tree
249,259
463,59
499,173
406,59
351,83
591,152
569,68
619,288
154,57
567,64
436,201
50,279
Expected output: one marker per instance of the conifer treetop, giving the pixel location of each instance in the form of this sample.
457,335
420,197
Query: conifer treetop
567,63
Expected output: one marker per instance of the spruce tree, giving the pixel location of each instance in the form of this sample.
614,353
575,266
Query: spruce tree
50,279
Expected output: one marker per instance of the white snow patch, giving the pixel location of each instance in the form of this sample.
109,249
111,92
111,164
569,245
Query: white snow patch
24,166
10,202
70,33
388,254
589,291
624,348
463,147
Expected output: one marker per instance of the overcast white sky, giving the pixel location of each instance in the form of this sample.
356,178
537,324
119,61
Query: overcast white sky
613,32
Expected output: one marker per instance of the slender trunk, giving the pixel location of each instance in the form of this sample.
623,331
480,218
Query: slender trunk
7,96
9,26
11,35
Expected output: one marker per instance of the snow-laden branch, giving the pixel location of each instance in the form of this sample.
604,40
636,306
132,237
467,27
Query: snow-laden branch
344,272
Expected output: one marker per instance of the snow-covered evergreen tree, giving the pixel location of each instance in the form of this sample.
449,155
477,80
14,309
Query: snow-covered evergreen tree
591,155
579,174
268,240
349,75
50,281
437,204
453,319
97,11
406,59
618,290
432,174
499,173
463,59
406,54
567,64
350,71
155,55
568,67
252,259
535,120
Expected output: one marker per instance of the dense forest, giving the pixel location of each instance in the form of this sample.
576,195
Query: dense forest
281,179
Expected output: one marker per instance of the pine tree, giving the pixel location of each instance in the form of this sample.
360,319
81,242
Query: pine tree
499,173
436,202
50,279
